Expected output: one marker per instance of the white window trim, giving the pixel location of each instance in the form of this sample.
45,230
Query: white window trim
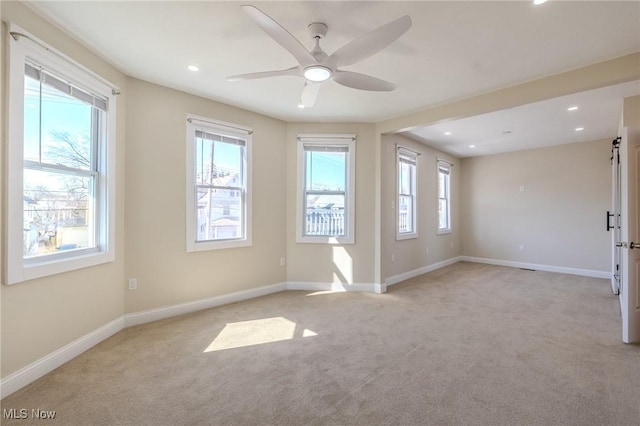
193,123
327,139
444,165
400,150
16,268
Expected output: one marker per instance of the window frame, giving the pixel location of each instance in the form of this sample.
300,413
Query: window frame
338,140
412,158
26,48
444,167
196,123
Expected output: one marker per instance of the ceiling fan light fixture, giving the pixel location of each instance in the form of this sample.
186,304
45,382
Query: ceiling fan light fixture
317,73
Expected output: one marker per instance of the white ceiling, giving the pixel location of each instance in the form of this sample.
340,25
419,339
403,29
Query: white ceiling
454,50
532,126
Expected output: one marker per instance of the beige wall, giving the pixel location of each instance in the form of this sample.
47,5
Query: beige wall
559,218
41,316
329,263
412,254
631,112
155,217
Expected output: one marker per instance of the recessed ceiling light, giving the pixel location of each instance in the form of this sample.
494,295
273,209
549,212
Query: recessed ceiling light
301,106
447,133
506,132
472,146
572,108
539,2
193,68
579,129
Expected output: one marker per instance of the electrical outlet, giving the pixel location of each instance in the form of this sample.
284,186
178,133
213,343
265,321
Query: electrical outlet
521,247
427,250
521,188
133,283
451,244
393,257
283,261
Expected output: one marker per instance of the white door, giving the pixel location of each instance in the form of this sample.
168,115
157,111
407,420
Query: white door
630,234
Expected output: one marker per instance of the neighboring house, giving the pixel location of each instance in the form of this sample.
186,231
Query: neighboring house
218,208
46,221
30,233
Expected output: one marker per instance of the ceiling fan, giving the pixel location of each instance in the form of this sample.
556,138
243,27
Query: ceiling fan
316,66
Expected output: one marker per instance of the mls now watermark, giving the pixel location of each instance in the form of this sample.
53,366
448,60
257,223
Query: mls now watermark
23,413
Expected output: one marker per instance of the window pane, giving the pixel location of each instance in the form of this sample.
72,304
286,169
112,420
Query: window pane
405,214
58,212
326,171
404,178
65,129
218,163
442,185
31,119
325,215
443,214
219,214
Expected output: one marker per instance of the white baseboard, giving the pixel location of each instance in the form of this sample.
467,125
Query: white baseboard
395,279
547,268
198,305
55,359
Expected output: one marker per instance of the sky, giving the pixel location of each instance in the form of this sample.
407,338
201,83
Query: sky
59,112
326,171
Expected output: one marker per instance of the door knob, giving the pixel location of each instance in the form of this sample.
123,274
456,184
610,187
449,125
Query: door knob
633,245
623,245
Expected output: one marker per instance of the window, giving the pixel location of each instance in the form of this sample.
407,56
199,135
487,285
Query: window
61,175
326,189
218,185
406,163
444,197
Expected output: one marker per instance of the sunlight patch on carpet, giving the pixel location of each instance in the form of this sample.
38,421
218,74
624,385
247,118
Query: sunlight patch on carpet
318,293
256,332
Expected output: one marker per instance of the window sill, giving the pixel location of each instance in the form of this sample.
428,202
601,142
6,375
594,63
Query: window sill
25,272
407,236
443,231
325,240
217,245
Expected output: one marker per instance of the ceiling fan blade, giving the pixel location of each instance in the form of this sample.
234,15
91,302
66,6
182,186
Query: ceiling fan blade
371,43
279,34
362,81
263,74
309,94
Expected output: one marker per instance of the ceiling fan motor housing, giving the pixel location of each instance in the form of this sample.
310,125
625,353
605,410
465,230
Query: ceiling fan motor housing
317,29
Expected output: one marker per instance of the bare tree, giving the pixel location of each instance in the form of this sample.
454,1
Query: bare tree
69,152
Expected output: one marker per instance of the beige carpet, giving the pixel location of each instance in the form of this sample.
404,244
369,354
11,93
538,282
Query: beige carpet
469,344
